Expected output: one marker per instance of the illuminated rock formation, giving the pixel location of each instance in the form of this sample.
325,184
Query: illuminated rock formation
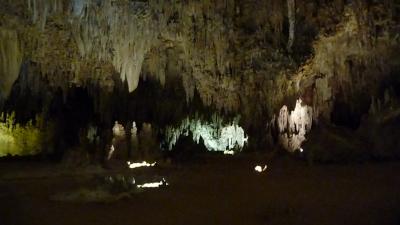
293,126
244,57
216,135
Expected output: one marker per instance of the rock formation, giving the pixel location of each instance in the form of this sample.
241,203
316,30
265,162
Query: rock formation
238,56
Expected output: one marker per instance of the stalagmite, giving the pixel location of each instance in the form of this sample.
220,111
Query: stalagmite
118,130
118,140
134,138
110,152
92,134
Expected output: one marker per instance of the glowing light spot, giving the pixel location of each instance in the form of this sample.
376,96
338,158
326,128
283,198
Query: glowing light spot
141,164
163,182
229,152
301,150
260,169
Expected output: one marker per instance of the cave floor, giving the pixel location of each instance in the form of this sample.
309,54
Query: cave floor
211,190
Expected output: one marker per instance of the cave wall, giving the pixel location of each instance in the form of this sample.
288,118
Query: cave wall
242,56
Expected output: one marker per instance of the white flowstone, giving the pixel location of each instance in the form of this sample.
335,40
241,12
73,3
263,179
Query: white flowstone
216,136
295,125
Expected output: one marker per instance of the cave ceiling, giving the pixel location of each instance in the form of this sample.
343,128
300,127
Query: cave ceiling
243,56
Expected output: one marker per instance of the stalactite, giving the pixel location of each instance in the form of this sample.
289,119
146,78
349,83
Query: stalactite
124,33
338,59
121,34
291,4
217,135
134,139
41,9
10,60
231,57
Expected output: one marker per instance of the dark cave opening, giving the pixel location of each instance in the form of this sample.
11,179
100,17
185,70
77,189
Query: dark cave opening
72,112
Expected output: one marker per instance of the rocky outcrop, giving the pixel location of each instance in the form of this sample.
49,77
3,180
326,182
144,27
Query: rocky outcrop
247,57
